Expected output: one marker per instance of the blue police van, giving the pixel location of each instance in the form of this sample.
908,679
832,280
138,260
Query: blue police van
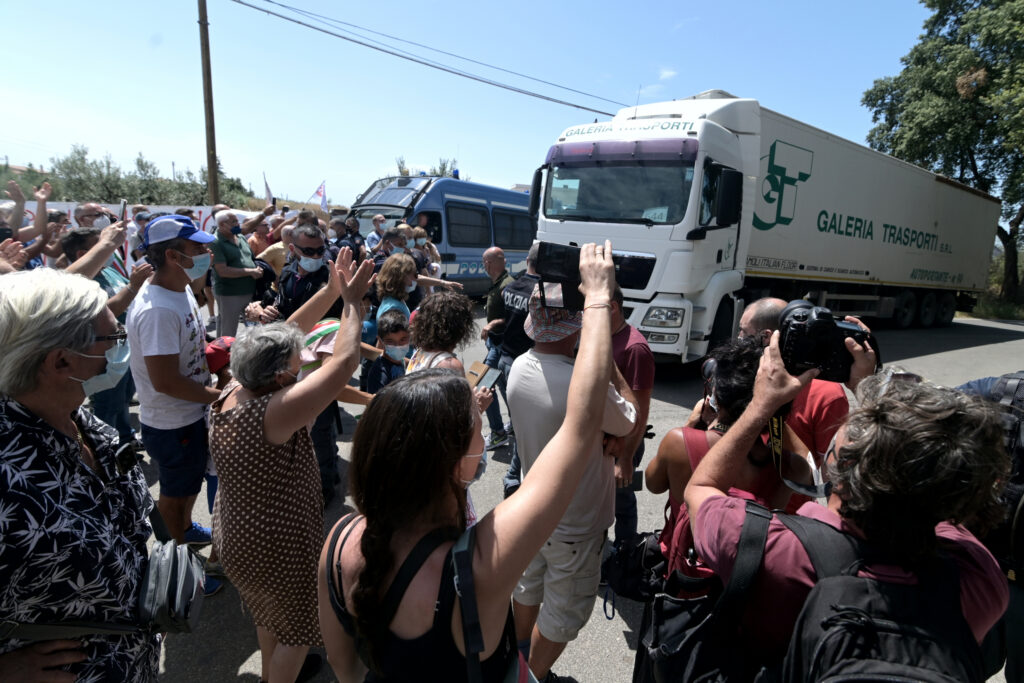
462,219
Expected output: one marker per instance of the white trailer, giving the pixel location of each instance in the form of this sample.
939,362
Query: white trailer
728,202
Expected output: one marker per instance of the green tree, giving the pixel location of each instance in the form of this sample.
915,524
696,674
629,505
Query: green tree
403,170
957,107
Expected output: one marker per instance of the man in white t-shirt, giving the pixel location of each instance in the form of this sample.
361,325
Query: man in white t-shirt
168,362
555,597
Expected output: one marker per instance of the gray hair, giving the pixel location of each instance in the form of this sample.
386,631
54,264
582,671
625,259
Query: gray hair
222,215
259,353
42,310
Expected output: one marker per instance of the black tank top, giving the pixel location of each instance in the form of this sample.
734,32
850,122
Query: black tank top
433,655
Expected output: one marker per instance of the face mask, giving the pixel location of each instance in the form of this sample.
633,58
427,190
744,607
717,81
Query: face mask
481,467
101,222
396,353
236,229
117,365
420,241
332,234
200,264
292,375
310,264
410,288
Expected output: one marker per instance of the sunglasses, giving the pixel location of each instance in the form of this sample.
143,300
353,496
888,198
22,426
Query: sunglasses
120,336
312,251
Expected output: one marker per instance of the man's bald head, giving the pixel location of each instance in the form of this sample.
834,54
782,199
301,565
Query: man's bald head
494,262
761,318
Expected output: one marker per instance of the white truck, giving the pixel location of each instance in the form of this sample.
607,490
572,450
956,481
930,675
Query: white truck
723,202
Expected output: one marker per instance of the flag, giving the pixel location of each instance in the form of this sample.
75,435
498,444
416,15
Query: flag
321,192
270,196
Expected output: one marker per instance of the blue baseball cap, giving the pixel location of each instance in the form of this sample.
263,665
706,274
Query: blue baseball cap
172,227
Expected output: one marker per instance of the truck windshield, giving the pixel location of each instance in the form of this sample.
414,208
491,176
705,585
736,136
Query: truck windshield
619,192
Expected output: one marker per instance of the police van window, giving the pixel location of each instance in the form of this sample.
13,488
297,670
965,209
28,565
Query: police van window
468,226
708,191
433,225
513,230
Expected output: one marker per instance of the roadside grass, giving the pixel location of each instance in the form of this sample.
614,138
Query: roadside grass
991,306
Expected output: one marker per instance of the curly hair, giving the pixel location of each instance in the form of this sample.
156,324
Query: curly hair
404,452
736,367
392,276
919,454
443,321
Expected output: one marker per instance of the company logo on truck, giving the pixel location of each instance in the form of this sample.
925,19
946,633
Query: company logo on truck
783,167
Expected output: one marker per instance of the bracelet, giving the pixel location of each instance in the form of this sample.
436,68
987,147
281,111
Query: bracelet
601,305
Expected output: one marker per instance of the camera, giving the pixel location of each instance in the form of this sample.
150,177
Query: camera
560,264
811,337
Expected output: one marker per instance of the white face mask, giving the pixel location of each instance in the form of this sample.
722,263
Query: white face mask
410,288
481,467
331,234
101,222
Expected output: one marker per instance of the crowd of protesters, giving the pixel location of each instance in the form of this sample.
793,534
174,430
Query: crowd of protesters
247,401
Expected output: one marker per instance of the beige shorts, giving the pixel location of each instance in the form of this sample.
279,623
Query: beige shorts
563,579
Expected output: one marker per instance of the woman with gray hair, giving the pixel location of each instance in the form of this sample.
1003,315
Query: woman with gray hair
268,516
73,514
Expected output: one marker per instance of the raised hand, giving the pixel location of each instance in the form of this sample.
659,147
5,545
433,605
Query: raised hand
774,386
43,193
114,233
597,273
14,192
140,273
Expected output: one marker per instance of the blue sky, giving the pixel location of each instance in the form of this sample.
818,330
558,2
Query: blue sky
123,77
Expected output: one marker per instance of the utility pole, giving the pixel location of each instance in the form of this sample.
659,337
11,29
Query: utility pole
211,138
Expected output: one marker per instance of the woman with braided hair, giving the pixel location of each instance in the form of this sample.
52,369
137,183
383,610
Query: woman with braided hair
388,604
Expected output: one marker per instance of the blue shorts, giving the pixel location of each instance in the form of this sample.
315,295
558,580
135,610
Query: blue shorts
181,455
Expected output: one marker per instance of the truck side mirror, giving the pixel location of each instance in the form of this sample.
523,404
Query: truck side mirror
535,194
729,199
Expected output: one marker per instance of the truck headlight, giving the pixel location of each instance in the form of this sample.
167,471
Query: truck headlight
660,337
663,317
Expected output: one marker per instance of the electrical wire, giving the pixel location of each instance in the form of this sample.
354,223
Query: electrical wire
424,62
338,23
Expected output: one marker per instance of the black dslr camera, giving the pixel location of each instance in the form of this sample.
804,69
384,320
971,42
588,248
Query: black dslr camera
811,337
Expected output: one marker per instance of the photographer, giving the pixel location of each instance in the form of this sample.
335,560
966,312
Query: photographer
911,465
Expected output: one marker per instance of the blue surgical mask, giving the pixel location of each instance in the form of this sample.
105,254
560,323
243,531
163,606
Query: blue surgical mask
117,365
420,241
310,264
200,264
236,229
396,353
481,467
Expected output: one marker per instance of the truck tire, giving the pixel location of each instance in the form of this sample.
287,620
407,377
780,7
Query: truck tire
721,330
906,310
947,309
927,309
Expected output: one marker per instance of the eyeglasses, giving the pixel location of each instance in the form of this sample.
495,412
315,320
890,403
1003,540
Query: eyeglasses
120,336
312,251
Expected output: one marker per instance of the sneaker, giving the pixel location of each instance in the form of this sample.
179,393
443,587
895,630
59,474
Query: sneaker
552,678
509,429
212,586
198,535
496,440
211,324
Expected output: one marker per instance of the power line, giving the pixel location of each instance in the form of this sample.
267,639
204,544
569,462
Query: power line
423,62
339,23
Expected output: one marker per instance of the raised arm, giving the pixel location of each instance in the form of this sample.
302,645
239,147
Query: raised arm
18,214
300,403
726,464
509,537
93,261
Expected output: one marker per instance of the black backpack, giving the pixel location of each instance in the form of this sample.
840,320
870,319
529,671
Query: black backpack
855,628
1006,542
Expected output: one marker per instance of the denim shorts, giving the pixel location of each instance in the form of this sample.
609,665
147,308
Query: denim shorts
181,456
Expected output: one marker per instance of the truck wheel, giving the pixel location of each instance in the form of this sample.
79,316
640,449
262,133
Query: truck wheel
927,309
947,309
721,330
906,309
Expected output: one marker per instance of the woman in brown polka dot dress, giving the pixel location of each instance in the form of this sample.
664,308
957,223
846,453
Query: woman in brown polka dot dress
268,516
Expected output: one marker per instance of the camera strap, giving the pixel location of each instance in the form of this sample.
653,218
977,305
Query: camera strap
775,441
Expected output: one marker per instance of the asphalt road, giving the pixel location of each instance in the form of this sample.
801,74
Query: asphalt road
225,649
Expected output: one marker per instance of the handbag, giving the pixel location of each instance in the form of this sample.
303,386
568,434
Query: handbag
694,638
635,568
473,637
170,599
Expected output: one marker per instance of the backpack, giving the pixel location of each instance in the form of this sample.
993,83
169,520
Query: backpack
1006,542
856,628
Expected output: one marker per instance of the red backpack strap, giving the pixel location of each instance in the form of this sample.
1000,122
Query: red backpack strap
681,538
697,445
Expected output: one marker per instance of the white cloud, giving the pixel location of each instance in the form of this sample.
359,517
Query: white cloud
649,90
665,73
